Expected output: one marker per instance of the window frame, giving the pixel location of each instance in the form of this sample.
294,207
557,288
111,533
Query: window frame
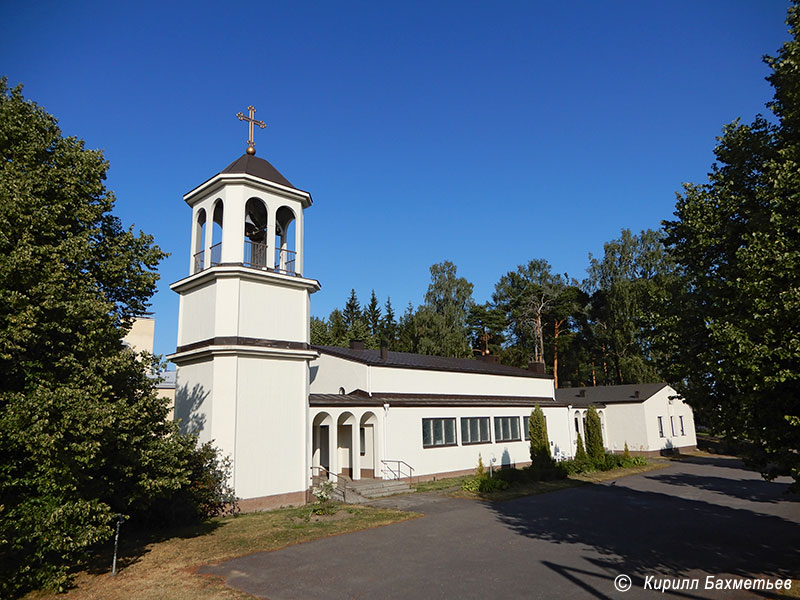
661,426
498,438
433,443
683,430
465,442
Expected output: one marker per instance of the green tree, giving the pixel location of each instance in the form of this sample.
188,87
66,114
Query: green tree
441,322
319,332
389,327
594,437
732,326
627,288
541,310
539,442
83,434
581,458
372,315
352,310
337,329
486,325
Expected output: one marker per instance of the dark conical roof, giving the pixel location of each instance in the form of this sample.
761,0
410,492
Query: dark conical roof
257,167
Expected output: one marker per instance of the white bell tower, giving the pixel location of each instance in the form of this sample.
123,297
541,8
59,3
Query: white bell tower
243,327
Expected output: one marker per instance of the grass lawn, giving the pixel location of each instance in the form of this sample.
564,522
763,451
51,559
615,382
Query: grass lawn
164,567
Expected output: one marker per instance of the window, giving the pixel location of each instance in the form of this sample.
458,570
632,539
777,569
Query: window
475,430
363,436
672,424
683,431
526,428
506,429
438,432
660,427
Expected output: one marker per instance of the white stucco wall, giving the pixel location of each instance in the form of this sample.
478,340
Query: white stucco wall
271,412
334,373
329,373
397,436
660,405
193,386
272,312
626,423
196,317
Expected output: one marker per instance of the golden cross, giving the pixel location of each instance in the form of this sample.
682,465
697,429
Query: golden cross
251,145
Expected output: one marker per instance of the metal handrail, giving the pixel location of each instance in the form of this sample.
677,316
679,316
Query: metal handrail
198,261
255,254
216,254
341,482
285,261
398,473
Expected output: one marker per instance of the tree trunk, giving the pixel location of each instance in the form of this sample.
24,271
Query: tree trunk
556,331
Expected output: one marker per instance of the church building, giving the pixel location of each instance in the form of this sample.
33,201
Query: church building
288,413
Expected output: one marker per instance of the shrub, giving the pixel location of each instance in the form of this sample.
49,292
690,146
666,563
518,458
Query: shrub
626,454
594,438
540,444
324,495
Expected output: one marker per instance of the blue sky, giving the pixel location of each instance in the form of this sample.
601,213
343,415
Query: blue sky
485,133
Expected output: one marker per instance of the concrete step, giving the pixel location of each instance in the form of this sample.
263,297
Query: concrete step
376,488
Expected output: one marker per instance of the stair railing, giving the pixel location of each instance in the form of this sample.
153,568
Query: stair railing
317,473
397,469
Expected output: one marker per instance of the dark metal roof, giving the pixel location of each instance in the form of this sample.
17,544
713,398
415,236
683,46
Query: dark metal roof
361,398
257,167
405,360
608,394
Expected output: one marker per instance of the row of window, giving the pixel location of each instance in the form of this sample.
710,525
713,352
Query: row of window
474,430
672,426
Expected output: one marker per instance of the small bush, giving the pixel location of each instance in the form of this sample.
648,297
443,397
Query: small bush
324,495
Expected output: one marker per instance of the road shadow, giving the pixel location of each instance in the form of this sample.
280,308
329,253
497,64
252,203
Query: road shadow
753,490
647,532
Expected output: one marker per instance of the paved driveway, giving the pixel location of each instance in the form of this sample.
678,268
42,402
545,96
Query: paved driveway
693,519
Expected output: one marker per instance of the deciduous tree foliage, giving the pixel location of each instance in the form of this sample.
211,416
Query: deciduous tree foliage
83,434
732,333
627,286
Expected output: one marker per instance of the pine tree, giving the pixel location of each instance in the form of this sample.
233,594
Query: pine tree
352,310
337,330
372,315
389,325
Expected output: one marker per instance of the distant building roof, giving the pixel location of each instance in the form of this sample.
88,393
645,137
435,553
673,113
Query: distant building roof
405,360
362,398
608,394
169,379
257,167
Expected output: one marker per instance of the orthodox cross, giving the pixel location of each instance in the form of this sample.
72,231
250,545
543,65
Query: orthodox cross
251,120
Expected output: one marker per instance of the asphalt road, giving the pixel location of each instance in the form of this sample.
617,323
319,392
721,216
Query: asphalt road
707,517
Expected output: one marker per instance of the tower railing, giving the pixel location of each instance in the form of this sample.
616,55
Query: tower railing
255,254
216,255
285,261
198,261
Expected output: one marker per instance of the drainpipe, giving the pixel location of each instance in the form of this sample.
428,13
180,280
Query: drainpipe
569,430
385,429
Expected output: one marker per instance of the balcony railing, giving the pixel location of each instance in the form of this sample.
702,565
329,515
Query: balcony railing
285,261
216,255
198,261
255,254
